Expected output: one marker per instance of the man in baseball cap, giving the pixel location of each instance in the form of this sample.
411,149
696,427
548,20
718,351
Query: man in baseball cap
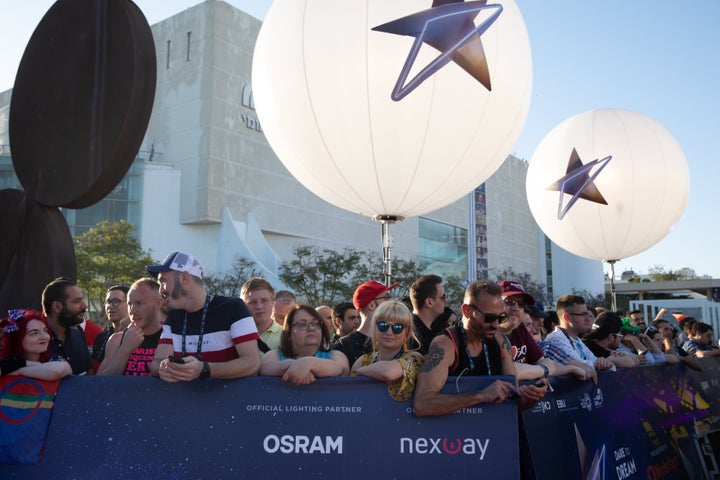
366,299
177,262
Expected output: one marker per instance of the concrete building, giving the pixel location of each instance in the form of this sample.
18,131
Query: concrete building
207,181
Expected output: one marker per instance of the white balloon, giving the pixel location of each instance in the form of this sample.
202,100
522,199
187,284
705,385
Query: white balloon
322,80
645,184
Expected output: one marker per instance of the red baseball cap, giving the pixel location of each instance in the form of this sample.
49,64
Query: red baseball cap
368,291
512,289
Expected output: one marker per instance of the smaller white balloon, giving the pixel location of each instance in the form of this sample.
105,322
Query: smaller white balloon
608,184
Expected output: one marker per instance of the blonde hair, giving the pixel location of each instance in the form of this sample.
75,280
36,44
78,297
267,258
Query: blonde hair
394,311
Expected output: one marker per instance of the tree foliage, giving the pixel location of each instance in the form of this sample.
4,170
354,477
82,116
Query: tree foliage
533,287
107,255
658,274
322,276
230,283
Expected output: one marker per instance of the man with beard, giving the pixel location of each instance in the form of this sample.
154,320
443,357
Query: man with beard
131,351
564,345
64,308
215,335
473,347
116,310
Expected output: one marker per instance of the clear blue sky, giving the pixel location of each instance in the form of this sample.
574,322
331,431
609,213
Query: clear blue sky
660,58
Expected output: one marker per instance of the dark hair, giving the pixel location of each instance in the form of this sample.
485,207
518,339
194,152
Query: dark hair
12,341
656,323
633,312
55,291
700,327
474,290
286,341
422,289
340,309
550,321
285,295
120,288
568,301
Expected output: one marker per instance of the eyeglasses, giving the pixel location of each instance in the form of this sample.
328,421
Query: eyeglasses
387,296
511,302
397,328
306,325
114,302
442,297
490,317
583,314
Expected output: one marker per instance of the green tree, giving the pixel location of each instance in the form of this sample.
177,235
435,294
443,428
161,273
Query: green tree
319,275
230,283
404,271
533,287
107,255
658,274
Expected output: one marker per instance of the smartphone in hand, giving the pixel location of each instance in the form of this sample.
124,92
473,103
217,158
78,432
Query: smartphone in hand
175,359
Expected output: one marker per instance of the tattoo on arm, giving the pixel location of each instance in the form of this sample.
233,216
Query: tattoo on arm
506,345
434,356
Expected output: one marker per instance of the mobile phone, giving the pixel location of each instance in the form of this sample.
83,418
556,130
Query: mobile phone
175,359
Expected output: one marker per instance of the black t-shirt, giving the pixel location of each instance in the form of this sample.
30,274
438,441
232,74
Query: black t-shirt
354,346
424,334
100,344
597,350
74,349
478,366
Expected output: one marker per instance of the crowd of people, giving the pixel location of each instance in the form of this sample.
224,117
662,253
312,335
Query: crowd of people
168,325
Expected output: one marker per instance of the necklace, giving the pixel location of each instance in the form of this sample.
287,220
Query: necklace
202,329
467,351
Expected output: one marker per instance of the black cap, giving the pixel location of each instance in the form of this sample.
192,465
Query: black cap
605,324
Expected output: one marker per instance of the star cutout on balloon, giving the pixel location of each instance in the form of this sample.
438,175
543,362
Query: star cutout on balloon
448,26
579,183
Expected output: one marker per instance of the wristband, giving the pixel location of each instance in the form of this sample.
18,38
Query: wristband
545,369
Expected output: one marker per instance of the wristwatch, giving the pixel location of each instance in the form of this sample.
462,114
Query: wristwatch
205,373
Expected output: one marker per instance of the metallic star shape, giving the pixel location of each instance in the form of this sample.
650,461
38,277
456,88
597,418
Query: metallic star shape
449,27
579,183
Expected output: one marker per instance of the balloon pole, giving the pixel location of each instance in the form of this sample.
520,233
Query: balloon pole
386,221
613,299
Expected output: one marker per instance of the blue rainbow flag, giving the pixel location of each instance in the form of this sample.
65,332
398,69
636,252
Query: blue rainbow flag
25,409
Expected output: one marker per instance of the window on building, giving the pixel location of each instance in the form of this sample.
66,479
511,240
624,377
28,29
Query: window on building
167,58
187,54
443,247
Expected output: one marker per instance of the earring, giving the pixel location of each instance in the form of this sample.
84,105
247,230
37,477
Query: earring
405,347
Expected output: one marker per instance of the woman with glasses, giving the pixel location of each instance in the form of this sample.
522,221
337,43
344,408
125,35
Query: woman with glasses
25,340
391,361
304,352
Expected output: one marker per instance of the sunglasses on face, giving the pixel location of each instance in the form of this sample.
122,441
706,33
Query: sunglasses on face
510,302
397,328
490,317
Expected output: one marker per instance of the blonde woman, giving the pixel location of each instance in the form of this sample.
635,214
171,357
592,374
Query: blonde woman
391,361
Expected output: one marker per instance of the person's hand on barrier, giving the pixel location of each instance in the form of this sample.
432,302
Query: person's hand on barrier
533,393
602,363
187,371
299,373
497,392
580,373
165,373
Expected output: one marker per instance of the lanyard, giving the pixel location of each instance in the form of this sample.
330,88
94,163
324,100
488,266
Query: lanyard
467,352
202,329
376,356
575,345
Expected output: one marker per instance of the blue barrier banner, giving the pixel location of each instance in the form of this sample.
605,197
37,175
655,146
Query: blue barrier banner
260,427
635,423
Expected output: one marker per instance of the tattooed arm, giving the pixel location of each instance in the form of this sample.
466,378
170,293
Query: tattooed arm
429,401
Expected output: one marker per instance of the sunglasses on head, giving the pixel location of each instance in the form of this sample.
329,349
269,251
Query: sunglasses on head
490,317
397,328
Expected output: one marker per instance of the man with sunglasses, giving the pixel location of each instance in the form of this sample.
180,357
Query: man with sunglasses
473,347
367,298
530,363
564,345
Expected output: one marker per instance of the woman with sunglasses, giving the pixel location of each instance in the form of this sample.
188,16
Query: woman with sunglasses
25,340
304,352
391,361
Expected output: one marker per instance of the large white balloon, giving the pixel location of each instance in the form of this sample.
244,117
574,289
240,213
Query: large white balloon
322,83
644,184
